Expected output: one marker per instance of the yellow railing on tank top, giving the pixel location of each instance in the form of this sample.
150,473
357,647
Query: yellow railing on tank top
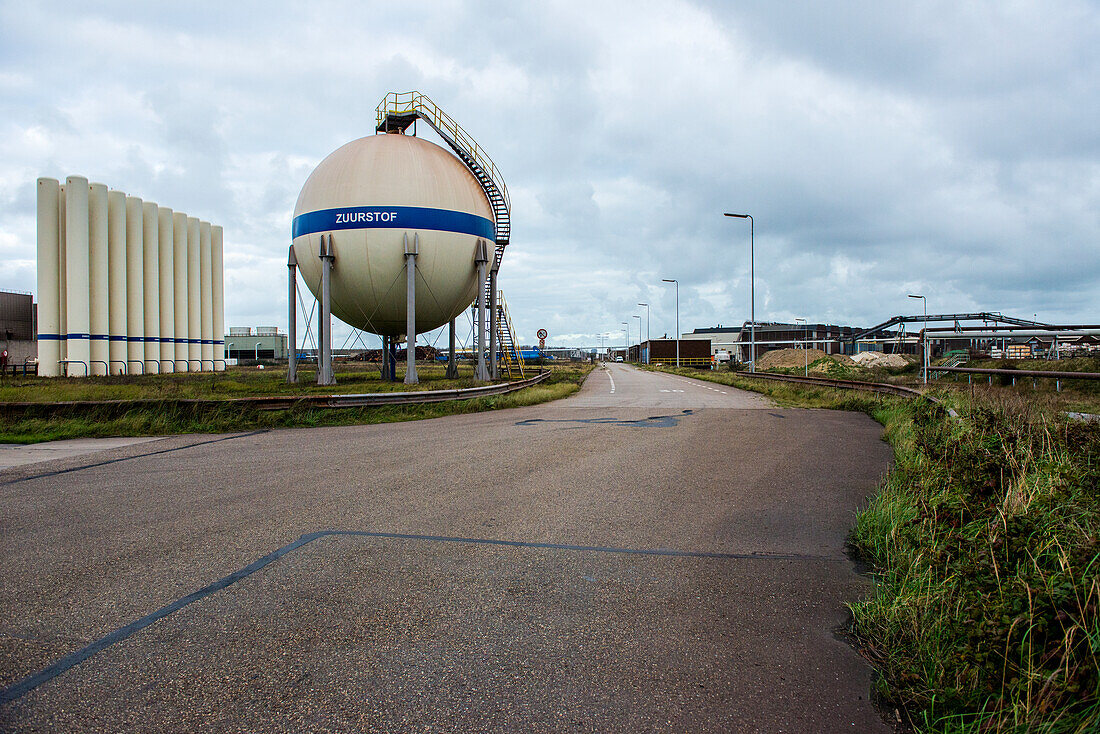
406,102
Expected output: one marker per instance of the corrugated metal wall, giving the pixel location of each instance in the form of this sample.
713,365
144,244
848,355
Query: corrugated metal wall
16,316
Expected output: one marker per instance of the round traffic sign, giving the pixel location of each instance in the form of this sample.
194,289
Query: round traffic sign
541,333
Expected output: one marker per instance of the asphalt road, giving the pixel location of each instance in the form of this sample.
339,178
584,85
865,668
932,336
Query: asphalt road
405,619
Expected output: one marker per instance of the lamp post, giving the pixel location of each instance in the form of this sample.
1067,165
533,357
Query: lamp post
752,287
648,346
626,340
673,280
924,340
639,336
805,354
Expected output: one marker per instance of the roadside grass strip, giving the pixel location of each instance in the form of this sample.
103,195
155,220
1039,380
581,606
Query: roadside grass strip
175,418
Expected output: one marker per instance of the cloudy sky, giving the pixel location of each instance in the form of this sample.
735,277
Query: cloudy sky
945,148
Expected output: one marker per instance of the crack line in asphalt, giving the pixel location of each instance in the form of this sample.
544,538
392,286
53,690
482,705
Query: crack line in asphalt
28,684
129,458
655,421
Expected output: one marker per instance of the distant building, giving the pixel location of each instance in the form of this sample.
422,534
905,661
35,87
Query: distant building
722,338
693,352
774,335
263,342
18,328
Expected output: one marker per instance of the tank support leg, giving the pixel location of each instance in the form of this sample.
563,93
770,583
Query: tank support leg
494,366
391,359
452,366
410,310
482,260
324,365
385,359
292,318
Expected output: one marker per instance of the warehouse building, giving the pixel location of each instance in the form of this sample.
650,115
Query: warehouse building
723,339
18,328
694,352
245,344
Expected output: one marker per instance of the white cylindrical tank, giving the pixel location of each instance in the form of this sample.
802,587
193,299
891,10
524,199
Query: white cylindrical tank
206,296
179,289
367,195
167,282
49,278
218,297
135,279
116,276
150,255
194,296
98,283
77,323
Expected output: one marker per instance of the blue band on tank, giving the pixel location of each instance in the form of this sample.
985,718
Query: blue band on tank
117,338
392,217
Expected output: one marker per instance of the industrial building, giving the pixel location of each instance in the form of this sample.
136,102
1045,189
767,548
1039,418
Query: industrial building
244,343
18,326
769,335
723,339
695,352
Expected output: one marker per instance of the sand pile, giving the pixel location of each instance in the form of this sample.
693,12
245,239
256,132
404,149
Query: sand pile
780,358
878,359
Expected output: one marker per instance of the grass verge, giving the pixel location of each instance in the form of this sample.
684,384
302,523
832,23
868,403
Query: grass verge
174,418
984,541
351,377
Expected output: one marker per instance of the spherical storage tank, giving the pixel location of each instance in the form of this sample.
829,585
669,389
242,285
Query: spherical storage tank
368,195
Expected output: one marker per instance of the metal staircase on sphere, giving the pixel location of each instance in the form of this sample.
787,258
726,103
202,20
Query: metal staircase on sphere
398,110
506,338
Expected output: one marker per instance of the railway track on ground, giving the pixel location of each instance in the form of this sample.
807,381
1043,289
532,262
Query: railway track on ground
273,402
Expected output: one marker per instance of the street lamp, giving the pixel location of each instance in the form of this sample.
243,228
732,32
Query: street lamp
924,340
648,346
805,354
752,286
639,336
673,280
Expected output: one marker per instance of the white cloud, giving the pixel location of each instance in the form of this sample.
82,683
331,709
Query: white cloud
882,149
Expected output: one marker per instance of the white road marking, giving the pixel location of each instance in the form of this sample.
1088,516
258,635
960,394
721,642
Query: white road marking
612,381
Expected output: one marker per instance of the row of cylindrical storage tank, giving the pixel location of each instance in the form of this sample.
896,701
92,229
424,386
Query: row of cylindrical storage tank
125,286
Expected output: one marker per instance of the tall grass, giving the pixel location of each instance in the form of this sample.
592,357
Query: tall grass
985,541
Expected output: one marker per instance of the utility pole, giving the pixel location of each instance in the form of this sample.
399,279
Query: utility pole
752,286
673,280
